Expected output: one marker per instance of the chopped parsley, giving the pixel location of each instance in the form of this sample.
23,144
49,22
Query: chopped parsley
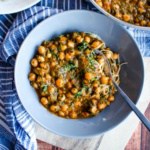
78,94
54,54
91,60
82,46
69,66
44,87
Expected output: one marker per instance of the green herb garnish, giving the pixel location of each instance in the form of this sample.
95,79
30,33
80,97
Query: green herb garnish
78,94
54,54
69,66
83,46
44,87
94,79
91,60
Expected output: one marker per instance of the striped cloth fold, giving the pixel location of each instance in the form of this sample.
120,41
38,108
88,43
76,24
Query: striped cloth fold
19,127
13,114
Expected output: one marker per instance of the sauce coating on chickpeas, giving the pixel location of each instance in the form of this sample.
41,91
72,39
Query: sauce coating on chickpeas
132,11
70,79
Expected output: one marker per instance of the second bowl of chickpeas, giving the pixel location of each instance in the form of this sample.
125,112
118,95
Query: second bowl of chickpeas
64,85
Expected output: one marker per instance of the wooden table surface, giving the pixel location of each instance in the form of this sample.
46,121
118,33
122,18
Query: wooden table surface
140,139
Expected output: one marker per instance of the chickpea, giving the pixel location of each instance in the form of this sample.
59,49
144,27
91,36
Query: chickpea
71,44
48,77
86,82
77,104
141,10
87,39
49,55
53,64
35,85
96,96
61,97
59,82
43,65
143,22
79,39
93,110
63,40
111,98
87,52
44,101
108,103
64,108
98,90
94,101
101,106
126,17
60,91
104,80
34,62
42,72
95,84
61,113
108,54
74,35
96,44
53,47
39,79
69,95
51,89
63,47
40,59
68,57
77,52
115,56
74,90
32,76
101,60
69,85
73,115
72,53
88,76
118,15
61,55
100,3
148,23
41,50
54,108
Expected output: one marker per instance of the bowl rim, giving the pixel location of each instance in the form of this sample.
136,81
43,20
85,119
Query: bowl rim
118,20
66,135
18,9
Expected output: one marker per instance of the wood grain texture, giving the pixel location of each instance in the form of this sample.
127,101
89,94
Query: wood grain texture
140,140
135,141
44,146
145,134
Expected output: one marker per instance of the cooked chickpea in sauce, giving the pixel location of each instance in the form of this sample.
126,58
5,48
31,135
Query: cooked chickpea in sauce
132,11
71,80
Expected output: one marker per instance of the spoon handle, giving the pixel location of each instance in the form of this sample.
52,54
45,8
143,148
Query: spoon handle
144,120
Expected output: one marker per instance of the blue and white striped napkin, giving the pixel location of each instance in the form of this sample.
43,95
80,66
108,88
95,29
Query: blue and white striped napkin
16,126
13,115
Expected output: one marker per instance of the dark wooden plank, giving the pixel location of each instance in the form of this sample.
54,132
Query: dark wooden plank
140,140
45,146
135,141
145,134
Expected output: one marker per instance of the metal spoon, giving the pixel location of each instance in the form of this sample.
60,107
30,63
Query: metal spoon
143,119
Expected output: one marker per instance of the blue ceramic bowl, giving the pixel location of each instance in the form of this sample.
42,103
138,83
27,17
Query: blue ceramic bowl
116,38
